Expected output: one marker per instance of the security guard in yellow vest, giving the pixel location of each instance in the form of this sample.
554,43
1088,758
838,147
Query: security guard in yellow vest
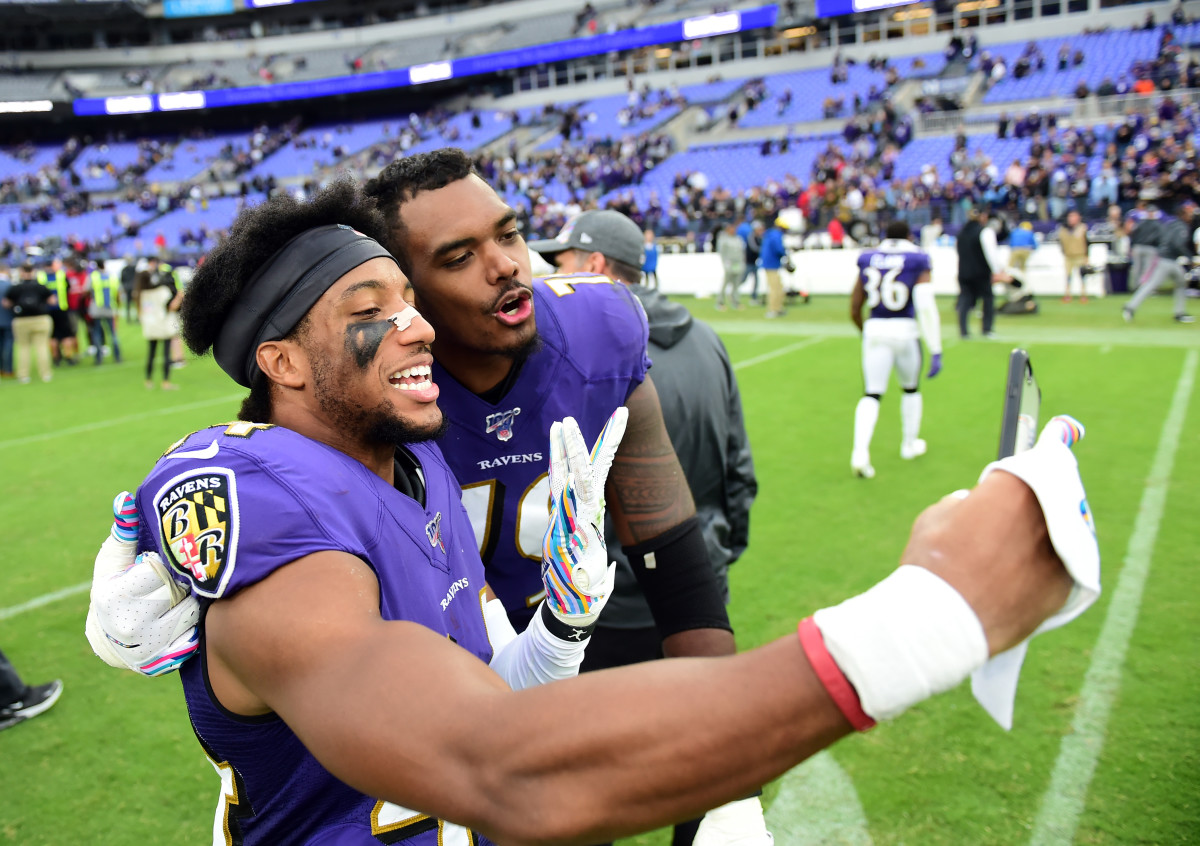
103,309
63,344
57,284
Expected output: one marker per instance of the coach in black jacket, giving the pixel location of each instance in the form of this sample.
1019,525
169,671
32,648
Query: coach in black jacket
978,268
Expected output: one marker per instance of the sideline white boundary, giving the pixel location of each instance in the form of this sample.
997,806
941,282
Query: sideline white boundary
790,348
817,805
1065,798
117,421
44,599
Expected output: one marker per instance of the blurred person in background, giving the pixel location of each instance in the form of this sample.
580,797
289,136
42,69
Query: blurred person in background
732,250
1073,239
158,306
6,330
1176,253
64,345
774,257
128,279
103,306
751,232
32,304
979,266
650,260
1144,225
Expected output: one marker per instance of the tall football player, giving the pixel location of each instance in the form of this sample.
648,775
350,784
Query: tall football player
893,281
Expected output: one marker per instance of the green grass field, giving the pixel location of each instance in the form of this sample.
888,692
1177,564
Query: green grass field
1106,746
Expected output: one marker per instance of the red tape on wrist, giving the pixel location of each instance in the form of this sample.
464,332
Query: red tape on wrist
836,684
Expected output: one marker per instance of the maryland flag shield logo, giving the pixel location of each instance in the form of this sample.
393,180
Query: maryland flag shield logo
198,520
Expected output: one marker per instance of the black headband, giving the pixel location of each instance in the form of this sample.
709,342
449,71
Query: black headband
283,290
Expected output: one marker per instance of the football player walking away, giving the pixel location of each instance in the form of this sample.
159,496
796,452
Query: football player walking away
356,682
893,282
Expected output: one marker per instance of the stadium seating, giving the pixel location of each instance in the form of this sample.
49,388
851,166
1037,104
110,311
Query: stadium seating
1106,55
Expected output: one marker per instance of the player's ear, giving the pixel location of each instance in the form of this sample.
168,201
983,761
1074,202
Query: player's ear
596,263
283,362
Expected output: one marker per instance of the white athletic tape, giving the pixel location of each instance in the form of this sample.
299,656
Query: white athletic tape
907,638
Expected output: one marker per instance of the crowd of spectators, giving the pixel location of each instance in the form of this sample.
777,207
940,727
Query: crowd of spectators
1149,155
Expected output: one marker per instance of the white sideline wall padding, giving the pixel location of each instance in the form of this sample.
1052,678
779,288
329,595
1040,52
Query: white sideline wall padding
833,271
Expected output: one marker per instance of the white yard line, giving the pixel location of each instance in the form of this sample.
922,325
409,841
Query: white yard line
44,599
1064,800
1124,336
817,805
790,348
117,421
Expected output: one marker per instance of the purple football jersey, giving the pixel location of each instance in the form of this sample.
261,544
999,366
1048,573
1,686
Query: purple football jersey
888,275
229,505
593,354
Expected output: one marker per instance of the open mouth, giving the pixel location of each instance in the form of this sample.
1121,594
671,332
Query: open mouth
515,307
415,379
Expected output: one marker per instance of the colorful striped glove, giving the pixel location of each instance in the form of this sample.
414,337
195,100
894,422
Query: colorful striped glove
576,570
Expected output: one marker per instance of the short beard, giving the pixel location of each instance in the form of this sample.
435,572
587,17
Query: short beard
522,353
377,425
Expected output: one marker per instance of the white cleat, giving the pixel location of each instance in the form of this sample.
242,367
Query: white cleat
912,450
860,465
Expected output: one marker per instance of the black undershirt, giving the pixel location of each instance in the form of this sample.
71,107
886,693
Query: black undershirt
408,476
497,392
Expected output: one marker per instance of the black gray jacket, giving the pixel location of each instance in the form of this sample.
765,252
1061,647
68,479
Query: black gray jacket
702,408
1175,240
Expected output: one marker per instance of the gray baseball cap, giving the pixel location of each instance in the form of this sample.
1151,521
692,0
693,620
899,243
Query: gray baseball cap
607,232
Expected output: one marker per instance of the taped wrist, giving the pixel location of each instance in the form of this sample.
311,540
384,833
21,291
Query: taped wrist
907,638
677,579
563,630
537,655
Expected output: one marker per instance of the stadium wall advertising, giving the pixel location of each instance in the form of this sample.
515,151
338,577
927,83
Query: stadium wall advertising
833,8
691,29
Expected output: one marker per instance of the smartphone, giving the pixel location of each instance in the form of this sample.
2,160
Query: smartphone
1022,402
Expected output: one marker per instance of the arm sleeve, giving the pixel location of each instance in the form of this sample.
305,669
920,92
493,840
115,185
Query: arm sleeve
927,316
532,657
987,240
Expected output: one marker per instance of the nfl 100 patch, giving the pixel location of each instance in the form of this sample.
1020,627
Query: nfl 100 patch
198,524
502,423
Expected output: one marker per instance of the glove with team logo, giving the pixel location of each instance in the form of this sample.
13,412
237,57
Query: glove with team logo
140,618
576,570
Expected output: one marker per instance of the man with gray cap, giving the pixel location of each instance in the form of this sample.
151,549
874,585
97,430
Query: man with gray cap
702,408
1176,252
605,233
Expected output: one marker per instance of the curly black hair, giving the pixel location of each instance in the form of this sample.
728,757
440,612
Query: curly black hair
256,235
405,178
898,230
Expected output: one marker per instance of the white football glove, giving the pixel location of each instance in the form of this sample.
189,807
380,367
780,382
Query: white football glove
576,570
140,618
739,823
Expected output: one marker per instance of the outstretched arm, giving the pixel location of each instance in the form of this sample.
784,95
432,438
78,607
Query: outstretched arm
654,743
